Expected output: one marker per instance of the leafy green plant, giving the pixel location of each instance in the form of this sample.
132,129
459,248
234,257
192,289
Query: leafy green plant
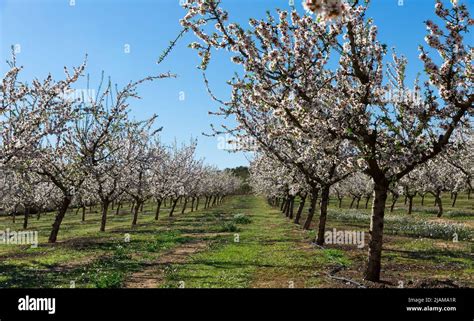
166,240
241,219
350,216
426,210
436,230
459,213
120,253
229,227
336,256
107,279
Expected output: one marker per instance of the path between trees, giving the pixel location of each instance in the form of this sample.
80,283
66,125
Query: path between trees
271,252
154,275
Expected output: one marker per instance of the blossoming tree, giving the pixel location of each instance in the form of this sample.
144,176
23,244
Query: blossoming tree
392,136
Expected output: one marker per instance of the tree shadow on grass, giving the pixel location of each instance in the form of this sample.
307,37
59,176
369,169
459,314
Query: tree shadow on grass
17,276
232,265
103,272
213,274
433,255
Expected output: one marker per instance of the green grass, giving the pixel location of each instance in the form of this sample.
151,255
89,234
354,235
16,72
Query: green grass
91,258
417,246
250,244
229,227
241,219
266,253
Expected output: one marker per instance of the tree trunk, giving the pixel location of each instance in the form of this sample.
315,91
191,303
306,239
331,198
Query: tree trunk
410,204
157,213
192,204
376,233
439,203
352,203
300,210
287,209
173,206
25,219
455,197
367,199
184,205
197,203
358,202
423,200
394,201
287,212
292,204
83,213
282,205
314,201
59,218
323,215
105,208
135,213
119,205
340,202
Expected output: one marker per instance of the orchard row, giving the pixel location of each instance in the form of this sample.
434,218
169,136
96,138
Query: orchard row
60,152
324,99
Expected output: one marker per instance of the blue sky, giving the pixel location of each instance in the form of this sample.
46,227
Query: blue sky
53,34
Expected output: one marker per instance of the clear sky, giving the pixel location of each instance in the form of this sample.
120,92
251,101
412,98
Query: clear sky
52,34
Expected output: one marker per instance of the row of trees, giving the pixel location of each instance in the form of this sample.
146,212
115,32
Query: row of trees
450,173
271,179
317,124
61,150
